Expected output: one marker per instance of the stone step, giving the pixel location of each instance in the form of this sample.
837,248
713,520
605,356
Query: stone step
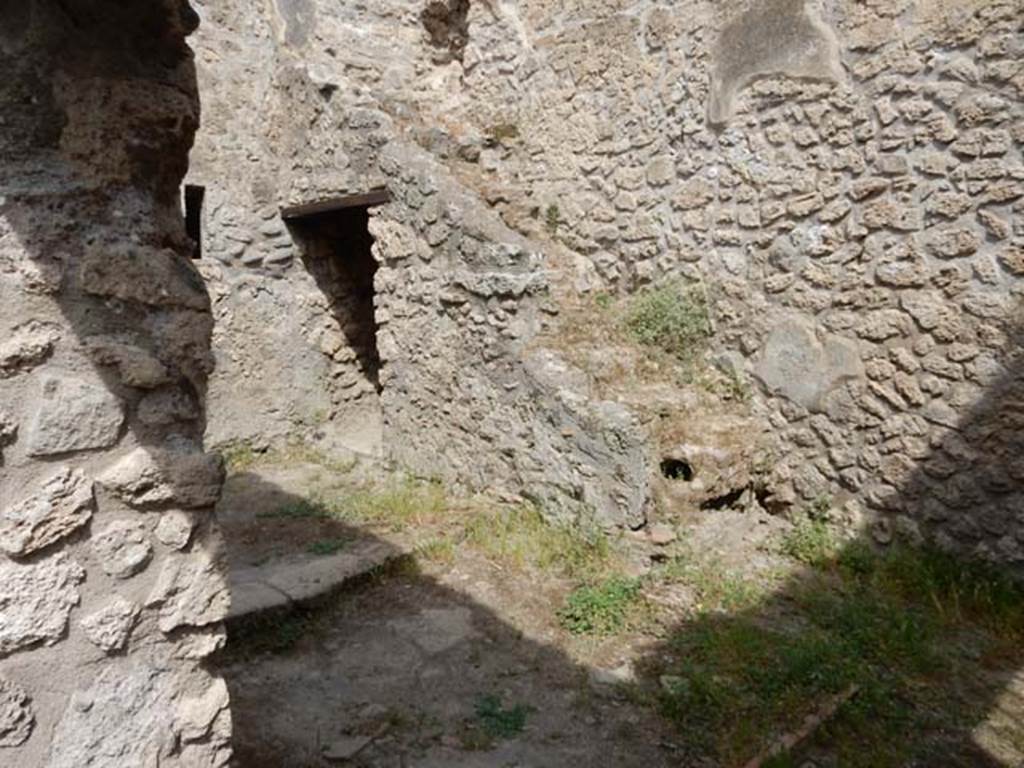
286,583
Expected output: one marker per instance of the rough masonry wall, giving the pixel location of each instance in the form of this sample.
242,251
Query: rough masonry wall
112,590
845,177
307,101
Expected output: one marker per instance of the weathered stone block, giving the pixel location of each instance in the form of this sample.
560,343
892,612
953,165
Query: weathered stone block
36,599
16,716
159,277
802,364
126,717
62,505
72,414
175,529
167,406
694,193
155,476
137,366
1012,258
195,716
122,548
28,346
954,243
191,591
111,626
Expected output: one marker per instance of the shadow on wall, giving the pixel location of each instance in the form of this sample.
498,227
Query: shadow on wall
111,585
968,489
397,669
93,252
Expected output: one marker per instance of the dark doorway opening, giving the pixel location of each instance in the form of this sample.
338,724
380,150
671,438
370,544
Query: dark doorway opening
194,217
337,249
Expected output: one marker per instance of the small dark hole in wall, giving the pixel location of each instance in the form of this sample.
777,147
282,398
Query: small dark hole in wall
194,217
676,469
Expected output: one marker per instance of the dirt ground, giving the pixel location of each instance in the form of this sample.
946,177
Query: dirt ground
457,659
408,662
395,670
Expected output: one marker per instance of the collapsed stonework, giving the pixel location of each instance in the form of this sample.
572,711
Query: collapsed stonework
111,587
844,179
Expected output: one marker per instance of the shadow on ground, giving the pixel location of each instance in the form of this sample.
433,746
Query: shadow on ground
921,649
405,668
460,662
436,671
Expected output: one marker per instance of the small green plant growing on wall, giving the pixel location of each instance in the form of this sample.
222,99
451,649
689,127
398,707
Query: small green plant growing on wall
502,132
552,218
810,541
735,386
672,317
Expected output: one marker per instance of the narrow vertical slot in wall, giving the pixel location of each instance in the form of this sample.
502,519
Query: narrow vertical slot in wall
194,196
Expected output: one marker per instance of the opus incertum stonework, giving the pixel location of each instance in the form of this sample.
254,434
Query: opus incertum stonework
844,177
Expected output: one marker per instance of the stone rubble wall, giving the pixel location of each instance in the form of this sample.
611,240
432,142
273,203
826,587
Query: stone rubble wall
313,104
112,587
466,397
844,177
847,180
277,132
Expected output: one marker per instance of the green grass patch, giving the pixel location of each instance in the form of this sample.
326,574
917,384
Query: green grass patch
299,509
955,591
396,504
751,663
715,589
810,541
600,609
672,317
552,218
498,721
522,537
742,682
439,550
239,457
327,546
492,721
733,385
